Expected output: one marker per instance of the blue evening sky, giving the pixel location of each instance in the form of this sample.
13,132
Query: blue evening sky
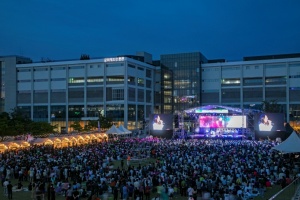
230,29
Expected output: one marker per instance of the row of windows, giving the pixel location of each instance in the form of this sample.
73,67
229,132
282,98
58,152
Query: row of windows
77,95
223,68
250,67
210,80
250,95
77,111
254,81
80,67
210,69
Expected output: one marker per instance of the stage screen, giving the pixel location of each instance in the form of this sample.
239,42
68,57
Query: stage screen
237,121
160,122
266,122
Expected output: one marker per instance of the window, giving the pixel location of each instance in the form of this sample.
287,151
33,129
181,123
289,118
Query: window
253,81
140,95
295,76
231,82
57,68
94,94
41,80
117,94
24,70
76,80
76,67
115,65
131,66
95,80
23,81
58,79
148,83
275,80
40,69
131,80
148,73
115,80
140,82
131,94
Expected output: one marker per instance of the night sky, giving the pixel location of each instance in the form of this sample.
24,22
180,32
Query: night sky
229,29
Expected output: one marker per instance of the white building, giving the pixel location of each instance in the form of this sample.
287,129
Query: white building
66,91
247,83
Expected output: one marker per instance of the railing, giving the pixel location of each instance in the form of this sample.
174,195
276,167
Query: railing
289,192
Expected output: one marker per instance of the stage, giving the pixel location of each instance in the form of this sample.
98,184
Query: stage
228,137
208,136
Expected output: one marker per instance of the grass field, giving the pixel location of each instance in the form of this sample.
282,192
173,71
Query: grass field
22,195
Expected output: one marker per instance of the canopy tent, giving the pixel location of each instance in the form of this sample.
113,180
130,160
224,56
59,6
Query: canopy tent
42,141
124,130
290,145
11,145
22,143
114,130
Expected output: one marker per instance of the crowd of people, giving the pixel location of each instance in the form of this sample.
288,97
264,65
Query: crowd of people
211,168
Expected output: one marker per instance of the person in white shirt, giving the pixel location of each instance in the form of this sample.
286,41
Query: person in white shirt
170,192
158,124
5,183
190,191
264,123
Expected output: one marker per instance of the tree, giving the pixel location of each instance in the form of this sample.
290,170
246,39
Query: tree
270,106
4,124
76,126
105,122
91,125
38,128
19,123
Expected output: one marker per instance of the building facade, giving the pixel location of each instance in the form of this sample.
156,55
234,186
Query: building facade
186,70
62,92
247,83
8,81
130,88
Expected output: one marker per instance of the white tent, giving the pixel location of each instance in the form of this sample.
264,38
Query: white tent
290,145
114,131
124,130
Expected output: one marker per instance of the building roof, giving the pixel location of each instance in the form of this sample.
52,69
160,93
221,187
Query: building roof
219,109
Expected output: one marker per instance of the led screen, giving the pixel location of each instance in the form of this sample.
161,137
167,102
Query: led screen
221,121
159,122
266,122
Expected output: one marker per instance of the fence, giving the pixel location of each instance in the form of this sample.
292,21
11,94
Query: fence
290,192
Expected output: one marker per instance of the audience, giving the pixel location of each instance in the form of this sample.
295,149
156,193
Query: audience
215,167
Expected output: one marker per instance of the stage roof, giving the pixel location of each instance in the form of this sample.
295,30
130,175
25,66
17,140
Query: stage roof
219,109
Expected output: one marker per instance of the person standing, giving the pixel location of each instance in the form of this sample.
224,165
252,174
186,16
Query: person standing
52,192
190,191
147,192
9,190
116,193
122,163
125,192
6,182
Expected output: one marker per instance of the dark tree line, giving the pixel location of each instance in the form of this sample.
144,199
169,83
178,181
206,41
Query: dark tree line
104,123
16,123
